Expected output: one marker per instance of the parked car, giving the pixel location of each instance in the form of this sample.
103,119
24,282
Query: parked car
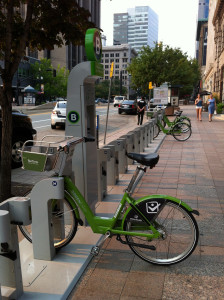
128,107
58,115
118,100
101,100
22,130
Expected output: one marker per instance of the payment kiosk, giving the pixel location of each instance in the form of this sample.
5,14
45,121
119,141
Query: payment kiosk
81,117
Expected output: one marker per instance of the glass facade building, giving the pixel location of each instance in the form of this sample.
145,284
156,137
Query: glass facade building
138,27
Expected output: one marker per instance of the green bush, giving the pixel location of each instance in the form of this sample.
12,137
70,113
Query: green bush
219,108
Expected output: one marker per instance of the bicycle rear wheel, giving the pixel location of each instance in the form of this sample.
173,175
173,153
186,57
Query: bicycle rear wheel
62,218
156,131
181,131
178,229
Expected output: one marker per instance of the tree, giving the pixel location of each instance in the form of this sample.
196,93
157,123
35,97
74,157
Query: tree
102,89
37,24
54,86
163,64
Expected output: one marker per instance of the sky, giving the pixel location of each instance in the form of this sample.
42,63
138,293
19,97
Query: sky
177,20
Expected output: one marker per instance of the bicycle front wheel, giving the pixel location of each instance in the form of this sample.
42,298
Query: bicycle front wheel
177,227
63,221
181,131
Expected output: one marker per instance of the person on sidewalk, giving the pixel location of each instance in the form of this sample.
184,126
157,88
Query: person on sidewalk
198,103
141,104
211,106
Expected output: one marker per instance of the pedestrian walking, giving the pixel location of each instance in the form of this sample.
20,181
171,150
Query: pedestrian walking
198,103
141,105
211,106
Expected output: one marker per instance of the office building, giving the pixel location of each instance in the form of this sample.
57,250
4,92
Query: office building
70,55
138,27
121,55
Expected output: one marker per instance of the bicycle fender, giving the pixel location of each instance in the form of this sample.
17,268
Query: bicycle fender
153,205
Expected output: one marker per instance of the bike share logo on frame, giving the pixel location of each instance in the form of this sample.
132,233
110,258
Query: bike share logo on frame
152,207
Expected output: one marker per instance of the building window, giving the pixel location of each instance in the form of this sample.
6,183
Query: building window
117,54
117,60
106,67
116,71
106,61
106,72
112,55
112,60
116,66
125,54
106,54
106,77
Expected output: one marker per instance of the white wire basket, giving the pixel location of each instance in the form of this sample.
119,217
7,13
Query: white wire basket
43,156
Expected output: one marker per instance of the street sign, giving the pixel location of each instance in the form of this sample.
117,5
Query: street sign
112,70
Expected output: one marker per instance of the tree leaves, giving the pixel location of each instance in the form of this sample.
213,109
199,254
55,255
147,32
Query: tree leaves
163,64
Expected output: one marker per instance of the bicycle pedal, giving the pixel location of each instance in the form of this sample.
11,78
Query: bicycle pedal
95,250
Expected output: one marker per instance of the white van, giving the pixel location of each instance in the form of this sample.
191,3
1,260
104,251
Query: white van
118,100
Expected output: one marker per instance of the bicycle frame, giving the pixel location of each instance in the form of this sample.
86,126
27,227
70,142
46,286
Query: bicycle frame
115,225
103,225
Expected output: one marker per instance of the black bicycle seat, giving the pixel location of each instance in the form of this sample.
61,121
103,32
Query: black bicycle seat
149,160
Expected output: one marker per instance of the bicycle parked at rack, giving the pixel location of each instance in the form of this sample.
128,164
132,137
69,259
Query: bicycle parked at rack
179,132
178,118
160,229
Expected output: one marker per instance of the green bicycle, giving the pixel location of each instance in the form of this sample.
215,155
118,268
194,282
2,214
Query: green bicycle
178,118
160,229
181,131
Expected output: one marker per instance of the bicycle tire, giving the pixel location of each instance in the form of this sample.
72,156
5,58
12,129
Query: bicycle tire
181,131
69,222
178,228
156,131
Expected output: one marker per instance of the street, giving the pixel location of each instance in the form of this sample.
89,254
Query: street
42,122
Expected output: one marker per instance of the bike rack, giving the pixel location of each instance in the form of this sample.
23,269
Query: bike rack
139,132
148,127
136,137
104,156
112,166
14,211
121,156
129,145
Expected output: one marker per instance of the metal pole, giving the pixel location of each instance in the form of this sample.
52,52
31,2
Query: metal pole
108,105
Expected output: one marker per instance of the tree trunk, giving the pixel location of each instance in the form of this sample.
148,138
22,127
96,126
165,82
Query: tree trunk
6,146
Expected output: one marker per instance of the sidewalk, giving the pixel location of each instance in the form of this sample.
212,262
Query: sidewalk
194,172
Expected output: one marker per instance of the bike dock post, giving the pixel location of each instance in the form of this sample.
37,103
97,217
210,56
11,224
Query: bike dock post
112,166
129,137
148,132
104,156
120,145
13,211
136,137
138,131
42,231
145,138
